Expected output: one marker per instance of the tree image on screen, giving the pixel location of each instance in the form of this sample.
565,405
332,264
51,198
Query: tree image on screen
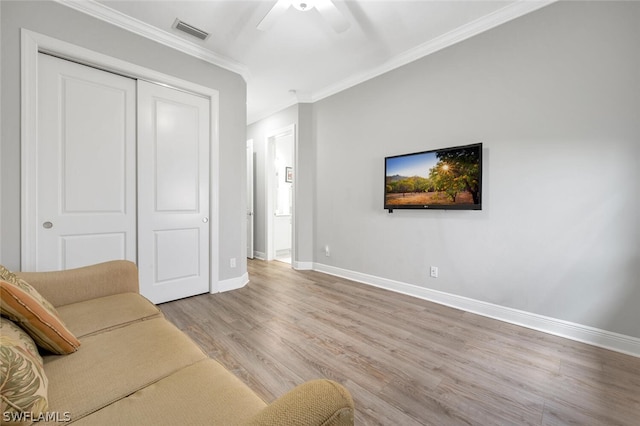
446,177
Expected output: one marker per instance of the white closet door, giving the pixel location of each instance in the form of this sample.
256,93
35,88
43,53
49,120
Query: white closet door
85,183
173,187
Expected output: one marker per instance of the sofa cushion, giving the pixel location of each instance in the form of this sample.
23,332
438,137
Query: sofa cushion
115,364
25,306
106,313
23,384
204,393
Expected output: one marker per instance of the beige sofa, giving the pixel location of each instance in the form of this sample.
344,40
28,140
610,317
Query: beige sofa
136,368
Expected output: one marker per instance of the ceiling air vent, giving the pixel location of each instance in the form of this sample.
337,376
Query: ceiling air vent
192,31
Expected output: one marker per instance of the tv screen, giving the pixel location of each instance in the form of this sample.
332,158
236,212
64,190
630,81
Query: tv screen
448,178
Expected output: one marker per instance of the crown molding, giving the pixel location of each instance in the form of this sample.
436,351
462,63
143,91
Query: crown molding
480,25
111,16
499,17
295,97
473,28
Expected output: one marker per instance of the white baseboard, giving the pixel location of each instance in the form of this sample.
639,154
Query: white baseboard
260,255
233,283
581,333
302,266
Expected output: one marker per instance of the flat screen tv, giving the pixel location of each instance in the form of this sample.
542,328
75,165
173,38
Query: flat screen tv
448,178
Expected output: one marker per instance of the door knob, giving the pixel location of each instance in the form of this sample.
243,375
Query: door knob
47,225
205,219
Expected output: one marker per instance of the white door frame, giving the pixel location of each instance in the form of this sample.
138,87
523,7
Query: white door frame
31,44
270,192
250,208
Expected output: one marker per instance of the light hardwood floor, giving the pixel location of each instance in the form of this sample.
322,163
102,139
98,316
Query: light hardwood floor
406,361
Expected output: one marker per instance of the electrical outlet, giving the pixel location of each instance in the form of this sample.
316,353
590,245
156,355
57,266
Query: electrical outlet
326,251
434,272
232,262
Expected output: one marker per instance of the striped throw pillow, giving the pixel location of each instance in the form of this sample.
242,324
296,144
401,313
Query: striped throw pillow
22,304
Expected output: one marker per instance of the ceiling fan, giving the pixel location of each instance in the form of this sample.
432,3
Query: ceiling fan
327,9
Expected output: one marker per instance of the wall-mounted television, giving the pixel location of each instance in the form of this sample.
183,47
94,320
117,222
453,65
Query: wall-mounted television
447,178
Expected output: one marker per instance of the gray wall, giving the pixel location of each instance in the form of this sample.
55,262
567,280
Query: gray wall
555,98
63,23
305,186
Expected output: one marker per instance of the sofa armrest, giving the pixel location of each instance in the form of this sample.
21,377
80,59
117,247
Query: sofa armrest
317,402
80,284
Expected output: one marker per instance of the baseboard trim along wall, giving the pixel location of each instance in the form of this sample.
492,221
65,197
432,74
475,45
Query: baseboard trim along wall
232,283
581,333
302,266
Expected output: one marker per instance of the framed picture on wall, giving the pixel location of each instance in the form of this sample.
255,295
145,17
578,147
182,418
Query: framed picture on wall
288,174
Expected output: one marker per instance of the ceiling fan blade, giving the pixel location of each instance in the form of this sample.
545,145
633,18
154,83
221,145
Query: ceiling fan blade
330,12
272,16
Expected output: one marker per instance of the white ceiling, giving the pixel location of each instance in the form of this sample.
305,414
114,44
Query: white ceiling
301,52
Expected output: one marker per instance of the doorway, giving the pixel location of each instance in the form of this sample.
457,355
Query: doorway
280,189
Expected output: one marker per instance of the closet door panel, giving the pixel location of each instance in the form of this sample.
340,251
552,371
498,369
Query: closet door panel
173,184
85,183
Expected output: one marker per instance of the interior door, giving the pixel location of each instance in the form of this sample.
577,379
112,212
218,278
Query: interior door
173,185
85,183
250,199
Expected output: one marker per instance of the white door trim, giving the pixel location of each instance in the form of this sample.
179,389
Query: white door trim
270,193
31,44
250,207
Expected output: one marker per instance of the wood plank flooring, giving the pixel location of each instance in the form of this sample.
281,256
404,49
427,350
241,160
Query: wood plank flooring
406,361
